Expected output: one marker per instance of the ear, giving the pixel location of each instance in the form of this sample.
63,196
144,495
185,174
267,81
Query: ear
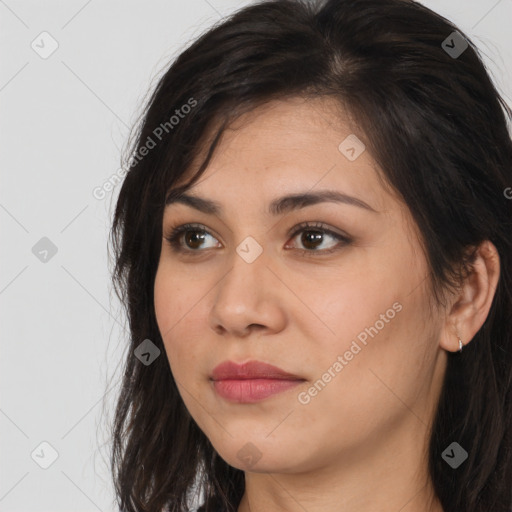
470,307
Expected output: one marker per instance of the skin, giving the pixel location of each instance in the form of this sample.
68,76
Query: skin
361,442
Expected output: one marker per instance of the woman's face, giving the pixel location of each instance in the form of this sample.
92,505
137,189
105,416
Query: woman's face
348,316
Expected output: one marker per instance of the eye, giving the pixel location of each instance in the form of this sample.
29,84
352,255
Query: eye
313,235
193,241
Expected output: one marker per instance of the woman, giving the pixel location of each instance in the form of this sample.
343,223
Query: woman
313,243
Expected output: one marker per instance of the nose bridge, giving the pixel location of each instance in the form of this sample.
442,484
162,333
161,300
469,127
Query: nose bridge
248,265
242,298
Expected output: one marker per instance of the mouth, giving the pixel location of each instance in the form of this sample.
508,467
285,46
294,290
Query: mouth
252,381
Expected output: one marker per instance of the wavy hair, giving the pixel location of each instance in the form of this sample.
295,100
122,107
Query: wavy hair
437,127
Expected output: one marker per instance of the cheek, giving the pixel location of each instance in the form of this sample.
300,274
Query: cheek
175,307
176,297
374,320
172,305
375,385
166,306
361,301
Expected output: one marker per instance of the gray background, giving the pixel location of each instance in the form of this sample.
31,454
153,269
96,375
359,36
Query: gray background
64,120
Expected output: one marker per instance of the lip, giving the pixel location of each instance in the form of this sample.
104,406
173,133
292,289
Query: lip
250,370
252,381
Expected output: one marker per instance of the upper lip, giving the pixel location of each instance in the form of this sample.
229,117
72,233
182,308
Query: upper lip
250,370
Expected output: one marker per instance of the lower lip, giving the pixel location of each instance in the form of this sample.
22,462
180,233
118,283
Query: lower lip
252,390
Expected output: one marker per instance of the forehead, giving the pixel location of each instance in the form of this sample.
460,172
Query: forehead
290,146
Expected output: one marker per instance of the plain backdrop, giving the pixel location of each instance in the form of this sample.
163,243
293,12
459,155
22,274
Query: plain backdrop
64,120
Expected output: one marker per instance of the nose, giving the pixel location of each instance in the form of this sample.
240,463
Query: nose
248,298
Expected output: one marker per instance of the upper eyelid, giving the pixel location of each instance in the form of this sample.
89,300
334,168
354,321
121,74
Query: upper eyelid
321,226
178,230
297,227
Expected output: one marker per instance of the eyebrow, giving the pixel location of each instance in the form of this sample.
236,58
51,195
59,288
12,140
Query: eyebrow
278,206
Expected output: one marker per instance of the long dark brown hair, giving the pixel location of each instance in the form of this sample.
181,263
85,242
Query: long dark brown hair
436,125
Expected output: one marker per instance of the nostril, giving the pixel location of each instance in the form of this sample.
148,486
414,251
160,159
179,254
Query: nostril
257,326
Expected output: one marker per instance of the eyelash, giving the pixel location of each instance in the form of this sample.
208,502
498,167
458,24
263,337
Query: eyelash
175,233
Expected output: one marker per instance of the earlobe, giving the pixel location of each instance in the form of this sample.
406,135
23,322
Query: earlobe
473,303
461,344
